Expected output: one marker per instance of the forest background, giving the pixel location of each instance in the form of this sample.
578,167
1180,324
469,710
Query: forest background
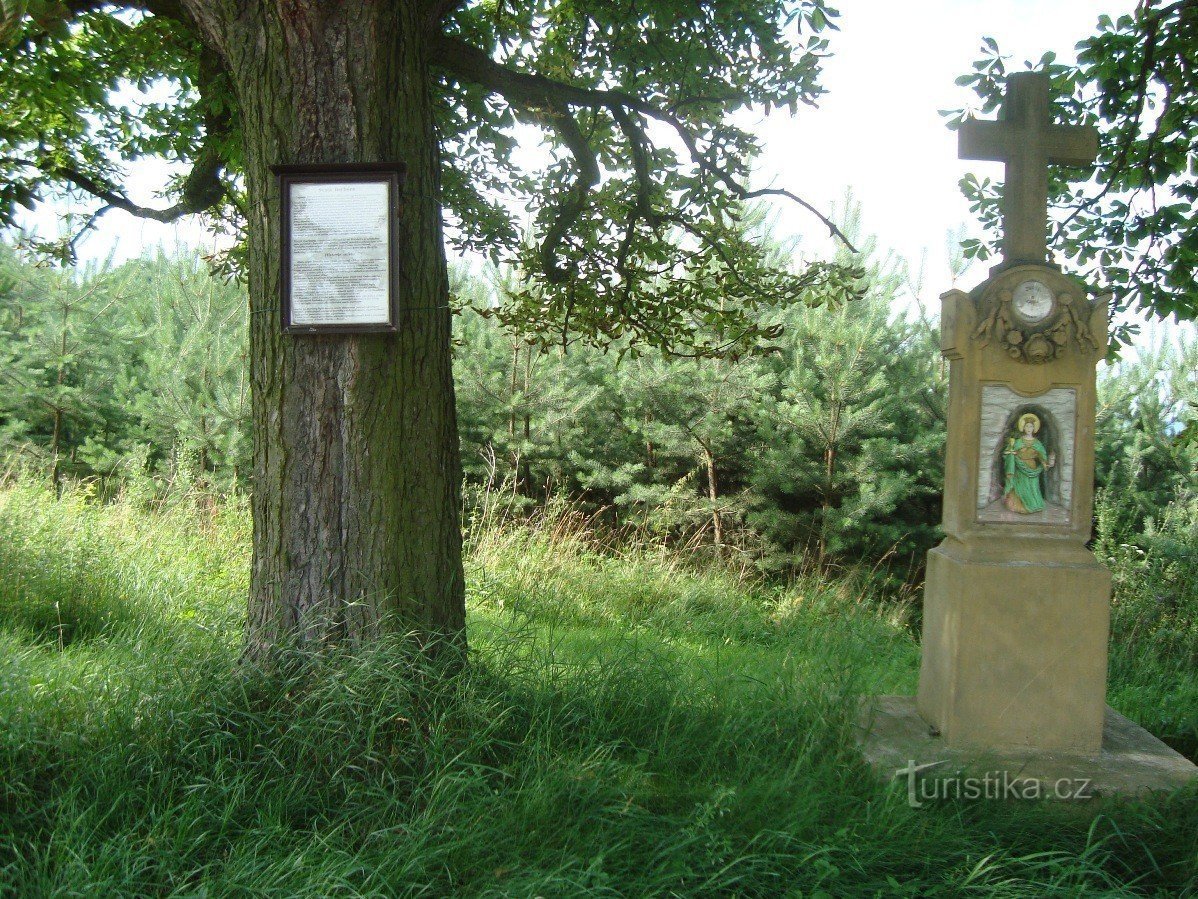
823,450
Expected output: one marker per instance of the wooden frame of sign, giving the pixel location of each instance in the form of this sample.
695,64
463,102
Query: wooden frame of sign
339,265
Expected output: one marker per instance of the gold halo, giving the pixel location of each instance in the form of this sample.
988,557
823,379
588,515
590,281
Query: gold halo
1033,418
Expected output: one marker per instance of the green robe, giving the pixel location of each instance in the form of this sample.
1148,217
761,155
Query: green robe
1024,463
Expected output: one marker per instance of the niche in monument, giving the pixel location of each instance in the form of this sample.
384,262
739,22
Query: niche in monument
1025,474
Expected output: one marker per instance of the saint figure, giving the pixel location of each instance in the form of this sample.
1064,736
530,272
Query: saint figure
1025,461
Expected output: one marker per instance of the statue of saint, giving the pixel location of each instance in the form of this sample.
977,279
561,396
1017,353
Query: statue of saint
1025,461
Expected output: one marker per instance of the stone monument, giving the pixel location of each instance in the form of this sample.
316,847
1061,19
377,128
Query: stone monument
1016,608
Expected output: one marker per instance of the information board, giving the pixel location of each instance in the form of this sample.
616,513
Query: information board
338,247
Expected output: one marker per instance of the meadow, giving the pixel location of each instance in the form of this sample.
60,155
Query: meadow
627,724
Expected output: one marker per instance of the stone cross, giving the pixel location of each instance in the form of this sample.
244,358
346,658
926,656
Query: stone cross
1025,138
1016,610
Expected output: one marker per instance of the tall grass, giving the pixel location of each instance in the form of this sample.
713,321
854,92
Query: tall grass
1154,614
626,726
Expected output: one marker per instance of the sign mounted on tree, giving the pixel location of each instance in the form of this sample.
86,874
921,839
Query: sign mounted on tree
339,263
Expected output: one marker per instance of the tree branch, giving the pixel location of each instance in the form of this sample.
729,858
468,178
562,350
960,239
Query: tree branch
572,206
531,91
643,208
439,9
202,189
70,9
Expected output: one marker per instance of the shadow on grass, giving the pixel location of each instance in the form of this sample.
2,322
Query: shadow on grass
561,761
597,743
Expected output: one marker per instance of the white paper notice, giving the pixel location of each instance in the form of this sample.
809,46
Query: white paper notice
340,259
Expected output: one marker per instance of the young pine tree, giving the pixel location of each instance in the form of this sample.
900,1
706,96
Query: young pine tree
852,439
194,360
66,369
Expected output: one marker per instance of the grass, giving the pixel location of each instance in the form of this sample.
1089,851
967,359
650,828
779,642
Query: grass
626,727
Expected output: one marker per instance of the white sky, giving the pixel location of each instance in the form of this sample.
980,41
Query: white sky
877,130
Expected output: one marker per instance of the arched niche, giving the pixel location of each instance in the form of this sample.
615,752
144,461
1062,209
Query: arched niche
1049,435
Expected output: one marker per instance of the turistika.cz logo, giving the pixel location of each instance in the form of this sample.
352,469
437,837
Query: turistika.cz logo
922,788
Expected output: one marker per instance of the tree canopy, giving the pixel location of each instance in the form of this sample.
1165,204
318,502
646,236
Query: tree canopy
633,204
1133,228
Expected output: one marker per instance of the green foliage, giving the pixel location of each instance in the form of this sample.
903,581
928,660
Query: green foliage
194,366
729,452
1146,531
83,94
67,364
624,727
635,214
1154,660
726,452
140,366
851,466
528,416
1134,228
1141,453
852,438
828,447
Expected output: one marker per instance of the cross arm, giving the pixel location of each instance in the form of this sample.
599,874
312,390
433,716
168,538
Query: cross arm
978,139
1071,144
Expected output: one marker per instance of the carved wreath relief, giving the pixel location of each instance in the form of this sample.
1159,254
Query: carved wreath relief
1025,471
1033,322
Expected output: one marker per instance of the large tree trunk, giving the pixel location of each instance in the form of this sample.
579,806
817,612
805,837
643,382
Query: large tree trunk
356,469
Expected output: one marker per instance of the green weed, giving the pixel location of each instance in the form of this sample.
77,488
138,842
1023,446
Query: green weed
626,726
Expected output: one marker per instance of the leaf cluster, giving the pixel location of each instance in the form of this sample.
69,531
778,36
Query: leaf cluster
85,91
634,197
1133,228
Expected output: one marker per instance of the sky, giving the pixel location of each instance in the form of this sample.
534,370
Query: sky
877,132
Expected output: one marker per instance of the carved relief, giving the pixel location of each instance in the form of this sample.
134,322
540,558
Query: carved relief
1030,344
1025,470
1034,317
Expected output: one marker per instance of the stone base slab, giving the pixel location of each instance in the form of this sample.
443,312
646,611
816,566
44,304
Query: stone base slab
1132,762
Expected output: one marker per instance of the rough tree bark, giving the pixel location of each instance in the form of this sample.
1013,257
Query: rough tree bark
356,469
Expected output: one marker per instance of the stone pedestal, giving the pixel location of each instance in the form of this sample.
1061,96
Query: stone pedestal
1014,653
1132,763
